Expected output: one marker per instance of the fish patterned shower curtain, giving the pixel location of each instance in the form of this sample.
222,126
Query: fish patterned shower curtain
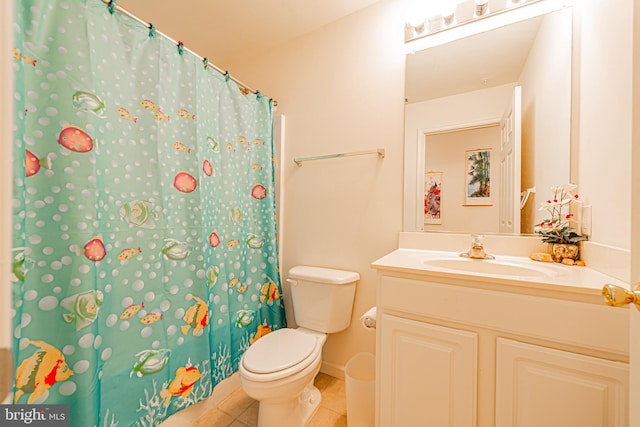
145,248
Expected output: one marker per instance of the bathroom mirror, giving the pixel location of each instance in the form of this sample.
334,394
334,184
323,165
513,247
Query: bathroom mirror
456,95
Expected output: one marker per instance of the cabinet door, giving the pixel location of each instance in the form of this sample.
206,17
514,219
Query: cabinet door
428,375
538,386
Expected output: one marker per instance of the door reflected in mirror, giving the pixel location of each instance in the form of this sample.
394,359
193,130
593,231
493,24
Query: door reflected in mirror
457,92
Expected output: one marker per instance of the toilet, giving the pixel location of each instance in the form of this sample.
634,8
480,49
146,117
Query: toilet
279,368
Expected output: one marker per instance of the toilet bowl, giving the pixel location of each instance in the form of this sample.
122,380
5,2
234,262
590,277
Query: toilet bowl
279,373
279,368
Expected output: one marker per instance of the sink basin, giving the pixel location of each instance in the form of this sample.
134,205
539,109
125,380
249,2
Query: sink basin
515,268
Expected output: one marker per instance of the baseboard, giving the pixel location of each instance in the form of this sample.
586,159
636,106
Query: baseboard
336,371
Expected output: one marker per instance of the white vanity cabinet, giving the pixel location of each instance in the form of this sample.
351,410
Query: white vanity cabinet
428,374
463,351
541,386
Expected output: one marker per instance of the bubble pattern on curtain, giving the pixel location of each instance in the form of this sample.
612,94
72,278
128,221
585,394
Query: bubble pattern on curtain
144,218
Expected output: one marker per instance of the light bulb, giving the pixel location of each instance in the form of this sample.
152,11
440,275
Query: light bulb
449,20
481,8
415,13
448,11
416,21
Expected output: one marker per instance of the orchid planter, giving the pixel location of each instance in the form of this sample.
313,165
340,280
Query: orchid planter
561,251
562,239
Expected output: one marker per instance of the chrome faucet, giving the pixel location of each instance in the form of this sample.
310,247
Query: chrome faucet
477,249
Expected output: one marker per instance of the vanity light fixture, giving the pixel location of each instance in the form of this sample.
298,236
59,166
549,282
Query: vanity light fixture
427,17
457,19
416,20
415,29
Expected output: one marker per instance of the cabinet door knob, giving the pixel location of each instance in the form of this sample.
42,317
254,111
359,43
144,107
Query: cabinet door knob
617,296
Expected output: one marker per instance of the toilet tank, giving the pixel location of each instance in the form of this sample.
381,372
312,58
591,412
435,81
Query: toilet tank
322,298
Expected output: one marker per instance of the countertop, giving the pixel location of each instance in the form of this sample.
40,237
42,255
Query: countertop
535,276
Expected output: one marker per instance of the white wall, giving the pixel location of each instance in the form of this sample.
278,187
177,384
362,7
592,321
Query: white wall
603,86
341,89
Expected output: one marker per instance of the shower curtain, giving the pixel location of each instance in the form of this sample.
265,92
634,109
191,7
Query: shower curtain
145,247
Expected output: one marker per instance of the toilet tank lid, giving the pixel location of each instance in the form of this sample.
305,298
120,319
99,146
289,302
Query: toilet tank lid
324,275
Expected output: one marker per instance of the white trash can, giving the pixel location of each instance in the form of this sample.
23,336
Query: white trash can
360,374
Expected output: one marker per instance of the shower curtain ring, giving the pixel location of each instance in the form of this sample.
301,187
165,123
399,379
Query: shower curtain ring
206,62
258,95
112,6
227,75
152,30
180,47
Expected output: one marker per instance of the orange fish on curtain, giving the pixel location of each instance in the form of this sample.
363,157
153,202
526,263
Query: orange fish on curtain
128,253
151,318
131,310
161,117
126,115
182,113
149,105
197,317
261,331
179,146
17,55
269,292
39,372
182,384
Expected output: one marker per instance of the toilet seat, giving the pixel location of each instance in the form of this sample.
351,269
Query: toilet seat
280,353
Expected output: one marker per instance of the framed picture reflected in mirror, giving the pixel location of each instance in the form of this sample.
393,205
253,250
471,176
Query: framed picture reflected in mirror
432,197
478,174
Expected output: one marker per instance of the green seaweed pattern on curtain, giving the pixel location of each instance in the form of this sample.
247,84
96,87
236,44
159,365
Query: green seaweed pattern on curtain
145,248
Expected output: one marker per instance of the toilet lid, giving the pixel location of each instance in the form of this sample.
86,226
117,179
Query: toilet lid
279,350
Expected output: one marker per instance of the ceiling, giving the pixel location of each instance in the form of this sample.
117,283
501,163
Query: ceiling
224,30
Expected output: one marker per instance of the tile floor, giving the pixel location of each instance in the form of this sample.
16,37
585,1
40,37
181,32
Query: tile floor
239,410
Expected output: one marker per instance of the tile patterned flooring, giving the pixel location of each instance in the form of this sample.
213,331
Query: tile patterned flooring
239,410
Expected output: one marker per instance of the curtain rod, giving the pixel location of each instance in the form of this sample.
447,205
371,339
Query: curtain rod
208,64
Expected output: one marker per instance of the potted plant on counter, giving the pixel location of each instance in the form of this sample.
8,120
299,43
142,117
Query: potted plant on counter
555,230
